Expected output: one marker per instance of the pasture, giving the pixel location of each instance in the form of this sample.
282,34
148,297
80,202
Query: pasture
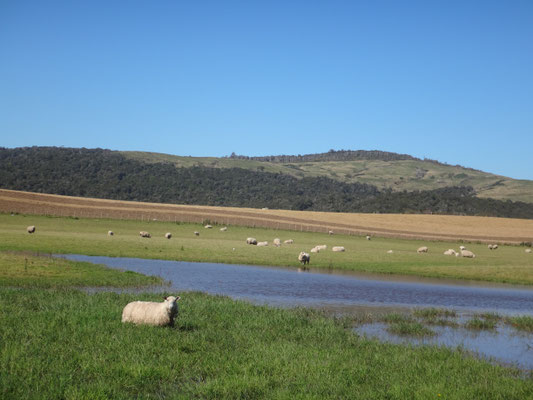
507,264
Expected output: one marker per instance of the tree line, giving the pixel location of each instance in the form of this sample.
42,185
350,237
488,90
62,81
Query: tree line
108,174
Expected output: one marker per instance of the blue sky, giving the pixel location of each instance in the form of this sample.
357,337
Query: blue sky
446,80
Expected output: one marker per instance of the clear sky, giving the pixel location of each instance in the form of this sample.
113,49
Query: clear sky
445,79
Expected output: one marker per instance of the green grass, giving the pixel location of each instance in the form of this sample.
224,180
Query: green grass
522,323
64,343
89,236
31,270
481,324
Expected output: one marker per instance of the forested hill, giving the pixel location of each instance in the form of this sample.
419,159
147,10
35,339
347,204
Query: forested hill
109,174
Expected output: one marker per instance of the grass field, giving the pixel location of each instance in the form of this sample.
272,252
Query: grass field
508,264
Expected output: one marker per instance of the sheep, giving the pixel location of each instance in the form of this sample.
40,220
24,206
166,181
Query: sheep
224,229
390,252
251,240
289,241
168,235
422,249
462,248
490,246
262,244
196,233
494,246
304,258
367,237
151,313
208,227
31,229
450,252
528,251
467,254
315,250
110,233
145,234
322,247
338,248
277,242
330,233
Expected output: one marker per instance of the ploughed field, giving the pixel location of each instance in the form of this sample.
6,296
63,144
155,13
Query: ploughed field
429,227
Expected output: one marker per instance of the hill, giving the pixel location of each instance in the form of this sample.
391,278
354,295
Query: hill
113,175
384,170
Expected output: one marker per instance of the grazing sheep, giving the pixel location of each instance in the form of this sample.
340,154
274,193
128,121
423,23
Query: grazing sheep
528,250
315,250
251,240
390,252
467,254
110,233
151,313
289,241
277,242
262,244
168,235
31,229
196,233
450,252
145,234
422,249
490,247
304,257
462,248
208,227
367,237
330,233
338,248
224,229
494,246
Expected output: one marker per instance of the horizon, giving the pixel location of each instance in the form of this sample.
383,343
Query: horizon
447,82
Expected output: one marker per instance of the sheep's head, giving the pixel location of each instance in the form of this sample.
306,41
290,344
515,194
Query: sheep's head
171,303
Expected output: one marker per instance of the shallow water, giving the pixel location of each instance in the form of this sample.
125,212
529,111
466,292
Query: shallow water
288,287
504,345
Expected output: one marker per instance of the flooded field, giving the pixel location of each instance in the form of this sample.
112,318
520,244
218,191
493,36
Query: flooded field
352,293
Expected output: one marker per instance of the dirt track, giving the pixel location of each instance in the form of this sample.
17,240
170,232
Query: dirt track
432,227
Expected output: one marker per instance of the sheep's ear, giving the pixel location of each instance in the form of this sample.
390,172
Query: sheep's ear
178,298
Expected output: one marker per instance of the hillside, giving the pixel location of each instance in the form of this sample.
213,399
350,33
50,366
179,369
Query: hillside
383,170
112,175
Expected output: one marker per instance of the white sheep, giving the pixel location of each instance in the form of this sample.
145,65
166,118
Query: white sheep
338,248
262,244
467,254
390,252
367,237
315,250
208,227
196,233
422,249
288,241
224,229
168,235
145,234
528,251
330,233
450,252
152,313
31,229
251,240
322,247
110,233
277,242
304,257
462,248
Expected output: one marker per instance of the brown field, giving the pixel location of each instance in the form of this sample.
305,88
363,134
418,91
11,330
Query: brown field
410,226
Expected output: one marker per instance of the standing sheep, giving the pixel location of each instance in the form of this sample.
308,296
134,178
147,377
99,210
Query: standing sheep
304,257
168,235
367,237
224,229
251,240
330,233
208,226
151,313
528,250
277,242
110,233
145,234
422,249
196,233
31,229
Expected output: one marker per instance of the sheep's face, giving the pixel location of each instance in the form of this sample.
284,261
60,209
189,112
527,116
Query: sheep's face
172,304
